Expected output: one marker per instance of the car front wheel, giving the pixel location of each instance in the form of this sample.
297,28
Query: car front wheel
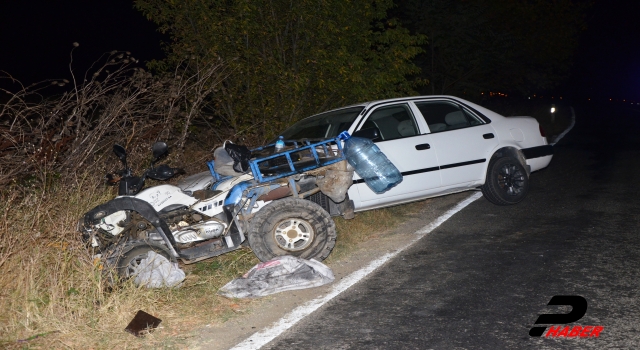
506,183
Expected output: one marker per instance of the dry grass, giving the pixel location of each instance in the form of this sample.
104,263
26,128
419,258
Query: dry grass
51,286
369,224
50,282
64,131
51,290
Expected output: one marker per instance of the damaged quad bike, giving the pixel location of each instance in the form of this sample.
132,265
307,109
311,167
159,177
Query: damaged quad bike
282,204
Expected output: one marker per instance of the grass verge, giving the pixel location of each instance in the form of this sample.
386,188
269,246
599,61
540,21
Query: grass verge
53,295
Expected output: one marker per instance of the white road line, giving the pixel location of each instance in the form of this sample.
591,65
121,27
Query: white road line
266,335
566,131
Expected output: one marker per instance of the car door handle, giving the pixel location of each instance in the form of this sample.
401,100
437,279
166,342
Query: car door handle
422,146
488,136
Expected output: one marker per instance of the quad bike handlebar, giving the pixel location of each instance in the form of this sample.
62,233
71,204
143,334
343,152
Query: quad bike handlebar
129,184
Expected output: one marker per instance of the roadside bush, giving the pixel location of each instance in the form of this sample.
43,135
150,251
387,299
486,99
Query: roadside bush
115,102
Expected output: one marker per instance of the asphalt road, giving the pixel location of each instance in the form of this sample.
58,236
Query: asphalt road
481,279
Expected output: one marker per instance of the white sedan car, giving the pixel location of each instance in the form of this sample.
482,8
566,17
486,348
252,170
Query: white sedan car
441,145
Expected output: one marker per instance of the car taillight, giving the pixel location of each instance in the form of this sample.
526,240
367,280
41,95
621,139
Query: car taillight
542,131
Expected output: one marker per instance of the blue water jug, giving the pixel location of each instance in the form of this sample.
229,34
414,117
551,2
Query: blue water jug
279,144
370,163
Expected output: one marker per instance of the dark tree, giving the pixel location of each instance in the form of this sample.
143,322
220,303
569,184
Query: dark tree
289,59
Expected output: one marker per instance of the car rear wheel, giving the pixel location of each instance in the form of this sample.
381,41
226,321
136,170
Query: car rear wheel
506,183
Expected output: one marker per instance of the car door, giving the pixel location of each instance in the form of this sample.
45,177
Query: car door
405,142
462,140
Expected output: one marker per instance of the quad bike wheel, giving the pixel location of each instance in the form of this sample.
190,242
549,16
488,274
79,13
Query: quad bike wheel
292,226
126,259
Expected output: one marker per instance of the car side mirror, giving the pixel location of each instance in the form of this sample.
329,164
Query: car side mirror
159,149
368,133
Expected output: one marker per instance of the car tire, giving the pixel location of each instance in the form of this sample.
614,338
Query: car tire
506,182
292,226
124,259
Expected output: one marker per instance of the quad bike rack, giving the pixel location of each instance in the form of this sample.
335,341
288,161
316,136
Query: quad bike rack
296,157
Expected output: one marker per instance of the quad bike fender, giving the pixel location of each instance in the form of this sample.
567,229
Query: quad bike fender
143,208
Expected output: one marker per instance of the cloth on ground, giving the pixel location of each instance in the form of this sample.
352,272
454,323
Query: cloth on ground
156,271
277,275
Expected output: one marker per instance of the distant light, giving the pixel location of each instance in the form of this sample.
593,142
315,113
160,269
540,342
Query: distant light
529,97
553,109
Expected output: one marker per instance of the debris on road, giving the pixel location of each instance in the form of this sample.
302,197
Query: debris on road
277,275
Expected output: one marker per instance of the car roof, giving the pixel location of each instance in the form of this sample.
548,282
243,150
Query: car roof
407,98
414,98
370,104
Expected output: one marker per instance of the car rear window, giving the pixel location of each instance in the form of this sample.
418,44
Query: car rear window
443,116
324,125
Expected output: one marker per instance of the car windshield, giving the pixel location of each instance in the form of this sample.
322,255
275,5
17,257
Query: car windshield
321,126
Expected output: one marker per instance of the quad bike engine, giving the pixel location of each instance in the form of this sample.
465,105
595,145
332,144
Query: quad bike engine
199,232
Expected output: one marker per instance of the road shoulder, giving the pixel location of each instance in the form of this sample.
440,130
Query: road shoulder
271,309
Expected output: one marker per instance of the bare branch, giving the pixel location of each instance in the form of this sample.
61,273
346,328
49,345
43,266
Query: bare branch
115,102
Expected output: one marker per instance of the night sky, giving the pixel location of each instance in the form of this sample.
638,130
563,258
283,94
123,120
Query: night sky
37,35
607,63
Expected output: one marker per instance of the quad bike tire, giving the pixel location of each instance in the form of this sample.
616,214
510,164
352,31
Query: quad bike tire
507,182
123,259
292,226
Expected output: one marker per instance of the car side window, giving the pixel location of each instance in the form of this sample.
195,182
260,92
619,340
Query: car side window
393,122
444,116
